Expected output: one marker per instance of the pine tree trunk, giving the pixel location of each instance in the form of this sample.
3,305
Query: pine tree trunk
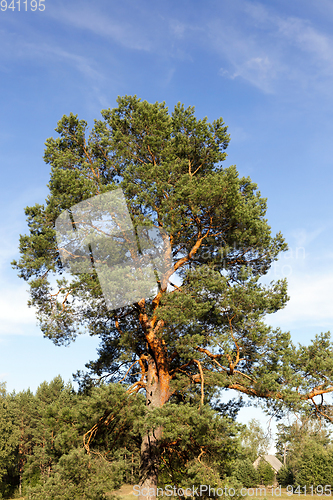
158,392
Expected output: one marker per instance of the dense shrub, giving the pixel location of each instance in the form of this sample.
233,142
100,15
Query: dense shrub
246,473
314,468
80,477
266,473
285,477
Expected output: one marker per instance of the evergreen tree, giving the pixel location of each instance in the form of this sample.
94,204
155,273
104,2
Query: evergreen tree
308,452
314,467
8,444
285,477
54,429
265,473
294,437
246,473
42,434
26,418
80,477
204,328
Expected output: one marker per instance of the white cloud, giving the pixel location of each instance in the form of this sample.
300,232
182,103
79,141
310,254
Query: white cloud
15,316
239,134
178,28
308,267
303,237
33,47
256,43
312,299
128,34
83,64
310,304
302,34
279,50
142,30
256,70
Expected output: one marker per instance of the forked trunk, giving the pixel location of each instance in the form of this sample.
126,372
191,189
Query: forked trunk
158,392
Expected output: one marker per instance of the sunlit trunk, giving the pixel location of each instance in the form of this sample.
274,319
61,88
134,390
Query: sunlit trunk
158,392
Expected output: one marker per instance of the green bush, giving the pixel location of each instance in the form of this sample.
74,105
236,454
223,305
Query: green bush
78,476
314,468
266,473
244,472
285,477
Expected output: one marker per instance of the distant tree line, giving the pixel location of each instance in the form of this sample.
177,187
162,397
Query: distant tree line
42,452
305,448
55,444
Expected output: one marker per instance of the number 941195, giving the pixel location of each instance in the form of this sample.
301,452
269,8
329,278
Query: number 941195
22,5
319,490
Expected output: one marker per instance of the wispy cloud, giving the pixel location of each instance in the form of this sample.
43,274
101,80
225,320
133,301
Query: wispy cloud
30,46
253,41
150,31
128,34
300,33
256,70
84,65
282,49
303,237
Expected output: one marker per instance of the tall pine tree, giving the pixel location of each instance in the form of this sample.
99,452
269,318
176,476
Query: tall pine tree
204,328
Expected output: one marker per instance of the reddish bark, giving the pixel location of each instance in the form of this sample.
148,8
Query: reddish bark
157,393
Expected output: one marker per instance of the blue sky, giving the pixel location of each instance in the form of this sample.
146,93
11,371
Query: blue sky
266,67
